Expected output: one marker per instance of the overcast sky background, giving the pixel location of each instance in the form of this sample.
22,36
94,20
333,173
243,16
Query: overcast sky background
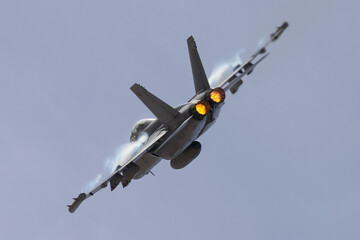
282,162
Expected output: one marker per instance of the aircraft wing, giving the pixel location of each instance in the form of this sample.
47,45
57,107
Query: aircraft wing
234,80
115,177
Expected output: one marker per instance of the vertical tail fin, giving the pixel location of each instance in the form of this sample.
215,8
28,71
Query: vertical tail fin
200,80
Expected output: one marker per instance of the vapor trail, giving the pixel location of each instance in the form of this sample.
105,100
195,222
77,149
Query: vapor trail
123,153
224,69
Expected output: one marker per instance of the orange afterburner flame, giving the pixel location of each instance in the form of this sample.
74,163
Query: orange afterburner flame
217,95
202,107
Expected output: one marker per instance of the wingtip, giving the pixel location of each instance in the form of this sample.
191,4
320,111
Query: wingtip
76,203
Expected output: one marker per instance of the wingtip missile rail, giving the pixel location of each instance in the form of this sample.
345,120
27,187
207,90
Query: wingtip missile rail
234,80
77,202
275,36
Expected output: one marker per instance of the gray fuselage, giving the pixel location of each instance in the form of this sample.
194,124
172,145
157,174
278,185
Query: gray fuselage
182,133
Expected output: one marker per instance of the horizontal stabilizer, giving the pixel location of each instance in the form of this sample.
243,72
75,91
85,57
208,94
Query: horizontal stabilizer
163,111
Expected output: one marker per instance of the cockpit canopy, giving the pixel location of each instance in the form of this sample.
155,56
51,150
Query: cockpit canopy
139,127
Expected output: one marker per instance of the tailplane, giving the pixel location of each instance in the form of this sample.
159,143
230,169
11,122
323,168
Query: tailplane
163,111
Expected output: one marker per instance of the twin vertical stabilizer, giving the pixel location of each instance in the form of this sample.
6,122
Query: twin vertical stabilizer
164,112
200,80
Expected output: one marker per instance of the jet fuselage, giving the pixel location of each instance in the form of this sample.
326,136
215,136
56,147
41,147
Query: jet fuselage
173,133
185,132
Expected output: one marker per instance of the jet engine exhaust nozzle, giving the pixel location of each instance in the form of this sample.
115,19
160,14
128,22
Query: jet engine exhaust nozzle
217,95
200,109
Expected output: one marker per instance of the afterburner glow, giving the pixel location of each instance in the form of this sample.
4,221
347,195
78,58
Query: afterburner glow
217,95
202,107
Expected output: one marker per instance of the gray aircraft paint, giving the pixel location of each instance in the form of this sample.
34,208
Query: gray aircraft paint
172,134
66,69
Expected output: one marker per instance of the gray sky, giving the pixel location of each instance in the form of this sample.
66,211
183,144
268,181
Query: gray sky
282,162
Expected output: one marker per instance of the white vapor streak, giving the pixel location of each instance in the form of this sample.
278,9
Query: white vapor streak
223,69
122,155
262,41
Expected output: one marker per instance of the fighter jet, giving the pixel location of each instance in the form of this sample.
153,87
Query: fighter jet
174,131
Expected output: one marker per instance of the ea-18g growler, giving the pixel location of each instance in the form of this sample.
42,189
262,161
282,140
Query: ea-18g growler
173,133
